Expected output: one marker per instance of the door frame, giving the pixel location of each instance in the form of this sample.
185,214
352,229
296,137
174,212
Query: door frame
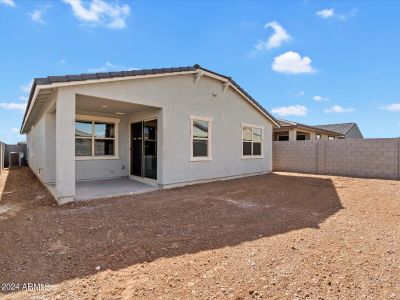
153,182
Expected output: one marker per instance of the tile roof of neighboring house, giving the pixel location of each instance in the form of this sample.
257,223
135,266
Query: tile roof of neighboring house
105,75
341,128
286,123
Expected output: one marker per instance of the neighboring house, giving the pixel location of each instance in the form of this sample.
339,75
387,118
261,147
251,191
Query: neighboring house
347,130
292,131
166,127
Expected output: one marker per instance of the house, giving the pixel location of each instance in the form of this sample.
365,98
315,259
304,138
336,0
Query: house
293,131
347,130
163,127
2,154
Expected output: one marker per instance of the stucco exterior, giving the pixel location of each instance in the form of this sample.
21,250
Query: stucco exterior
2,150
170,99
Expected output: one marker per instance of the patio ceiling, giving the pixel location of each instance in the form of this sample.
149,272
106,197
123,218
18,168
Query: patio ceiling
101,105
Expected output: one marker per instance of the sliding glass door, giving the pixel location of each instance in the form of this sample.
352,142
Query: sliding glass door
144,149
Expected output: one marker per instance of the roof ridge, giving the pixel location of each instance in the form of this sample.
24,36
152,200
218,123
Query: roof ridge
336,124
341,128
131,73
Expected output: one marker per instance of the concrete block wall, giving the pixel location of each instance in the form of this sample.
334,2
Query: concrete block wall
21,148
295,156
370,158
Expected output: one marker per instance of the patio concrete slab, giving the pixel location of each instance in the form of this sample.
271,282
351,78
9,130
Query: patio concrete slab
105,188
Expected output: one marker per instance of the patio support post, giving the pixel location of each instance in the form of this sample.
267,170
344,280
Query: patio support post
292,134
65,146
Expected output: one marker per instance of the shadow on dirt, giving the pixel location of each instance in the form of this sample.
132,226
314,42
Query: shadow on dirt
49,244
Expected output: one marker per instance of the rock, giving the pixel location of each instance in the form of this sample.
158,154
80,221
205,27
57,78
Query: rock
98,268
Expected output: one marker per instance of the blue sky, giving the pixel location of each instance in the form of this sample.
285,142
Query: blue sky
313,62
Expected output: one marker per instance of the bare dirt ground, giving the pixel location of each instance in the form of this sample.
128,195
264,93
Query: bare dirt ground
277,236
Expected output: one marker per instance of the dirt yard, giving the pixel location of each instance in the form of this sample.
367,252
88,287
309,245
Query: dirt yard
277,236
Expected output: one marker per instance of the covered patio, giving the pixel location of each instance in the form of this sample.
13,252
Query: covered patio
107,188
96,153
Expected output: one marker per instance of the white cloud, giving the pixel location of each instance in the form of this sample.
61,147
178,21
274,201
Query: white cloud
325,13
293,110
8,2
392,107
292,63
27,87
110,67
63,61
320,98
23,98
280,36
37,14
338,109
14,130
99,12
330,13
12,106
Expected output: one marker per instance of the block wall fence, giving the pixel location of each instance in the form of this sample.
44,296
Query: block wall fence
370,158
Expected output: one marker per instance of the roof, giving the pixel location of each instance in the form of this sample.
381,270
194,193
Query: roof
286,123
51,80
341,128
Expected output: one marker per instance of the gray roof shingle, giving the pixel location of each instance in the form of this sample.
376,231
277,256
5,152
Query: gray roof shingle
286,123
103,75
341,128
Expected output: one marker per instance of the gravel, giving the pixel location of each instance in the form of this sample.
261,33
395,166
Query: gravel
276,236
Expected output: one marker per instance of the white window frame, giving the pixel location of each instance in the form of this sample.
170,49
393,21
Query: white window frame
252,126
93,119
209,120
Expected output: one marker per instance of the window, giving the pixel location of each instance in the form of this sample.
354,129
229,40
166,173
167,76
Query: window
283,138
318,136
95,137
252,137
200,138
301,137
331,138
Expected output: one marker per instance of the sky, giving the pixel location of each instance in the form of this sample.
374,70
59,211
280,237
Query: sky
314,62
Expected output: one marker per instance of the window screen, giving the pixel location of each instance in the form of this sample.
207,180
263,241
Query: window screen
252,141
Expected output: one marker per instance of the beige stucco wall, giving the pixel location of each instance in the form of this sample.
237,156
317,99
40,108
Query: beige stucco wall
179,98
36,145
41,145
2,150
376,158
